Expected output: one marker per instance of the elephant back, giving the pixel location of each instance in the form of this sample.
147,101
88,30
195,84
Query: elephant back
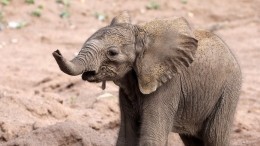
159,26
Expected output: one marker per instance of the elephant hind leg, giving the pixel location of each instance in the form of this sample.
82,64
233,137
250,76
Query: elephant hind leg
219,123
189,140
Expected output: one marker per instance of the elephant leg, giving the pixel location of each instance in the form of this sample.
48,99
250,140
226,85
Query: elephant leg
218,125
129,125
154,130
191,140
128,133
157,121
158,112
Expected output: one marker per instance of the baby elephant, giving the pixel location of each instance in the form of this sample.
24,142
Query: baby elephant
171,79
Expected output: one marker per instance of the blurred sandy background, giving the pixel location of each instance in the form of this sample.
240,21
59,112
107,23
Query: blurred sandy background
39,105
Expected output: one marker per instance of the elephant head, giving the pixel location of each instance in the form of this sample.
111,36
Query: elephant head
156,51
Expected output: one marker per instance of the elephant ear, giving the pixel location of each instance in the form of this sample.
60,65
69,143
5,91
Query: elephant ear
169,48
124,17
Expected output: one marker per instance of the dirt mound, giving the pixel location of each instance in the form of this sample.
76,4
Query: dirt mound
62,134
37,112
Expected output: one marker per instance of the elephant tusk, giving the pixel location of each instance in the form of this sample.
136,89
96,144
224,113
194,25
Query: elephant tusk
103,85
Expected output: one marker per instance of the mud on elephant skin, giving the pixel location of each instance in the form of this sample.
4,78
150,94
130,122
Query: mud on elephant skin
171,79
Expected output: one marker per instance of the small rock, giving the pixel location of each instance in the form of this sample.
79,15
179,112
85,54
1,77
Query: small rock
16,24
100,16
95,126
37,125
190,14
36,92
14,41
73,26
238,130
13,24
105,95
113,124
142,11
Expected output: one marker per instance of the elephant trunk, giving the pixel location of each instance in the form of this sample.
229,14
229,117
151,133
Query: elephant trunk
74,67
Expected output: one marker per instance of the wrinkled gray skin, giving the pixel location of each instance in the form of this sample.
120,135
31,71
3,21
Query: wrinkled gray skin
171,79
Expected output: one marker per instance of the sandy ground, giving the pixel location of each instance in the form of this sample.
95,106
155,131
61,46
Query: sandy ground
39,105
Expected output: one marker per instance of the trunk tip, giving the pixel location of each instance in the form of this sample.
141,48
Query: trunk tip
58,51
57,54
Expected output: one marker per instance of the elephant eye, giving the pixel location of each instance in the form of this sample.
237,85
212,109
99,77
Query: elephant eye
112,51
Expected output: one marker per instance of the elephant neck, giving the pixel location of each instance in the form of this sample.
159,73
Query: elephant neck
129,84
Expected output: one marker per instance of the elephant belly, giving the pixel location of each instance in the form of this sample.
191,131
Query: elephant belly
200,93
186,128
190,121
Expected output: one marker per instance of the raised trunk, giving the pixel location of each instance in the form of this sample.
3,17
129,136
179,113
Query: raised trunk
74,67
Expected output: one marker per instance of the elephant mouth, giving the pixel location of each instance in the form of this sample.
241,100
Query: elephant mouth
90,76
98,76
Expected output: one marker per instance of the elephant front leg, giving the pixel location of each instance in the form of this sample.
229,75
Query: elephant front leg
157,121
128,132
129,126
